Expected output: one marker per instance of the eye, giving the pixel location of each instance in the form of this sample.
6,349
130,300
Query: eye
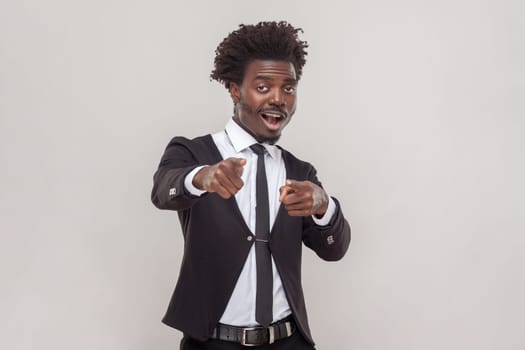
262,88
289,90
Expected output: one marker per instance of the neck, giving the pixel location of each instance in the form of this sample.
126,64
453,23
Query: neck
258,138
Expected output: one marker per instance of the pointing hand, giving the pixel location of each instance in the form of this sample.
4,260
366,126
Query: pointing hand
303,198
223,177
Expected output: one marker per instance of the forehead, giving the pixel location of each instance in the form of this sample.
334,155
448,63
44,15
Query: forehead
269,69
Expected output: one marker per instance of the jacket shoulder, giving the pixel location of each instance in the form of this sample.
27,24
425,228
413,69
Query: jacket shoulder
205,141
201,148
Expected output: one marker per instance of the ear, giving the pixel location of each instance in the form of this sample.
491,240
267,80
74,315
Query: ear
235,92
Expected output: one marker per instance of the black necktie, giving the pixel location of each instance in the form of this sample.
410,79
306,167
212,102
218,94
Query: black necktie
264,296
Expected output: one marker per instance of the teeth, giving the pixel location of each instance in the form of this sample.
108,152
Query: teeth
274,115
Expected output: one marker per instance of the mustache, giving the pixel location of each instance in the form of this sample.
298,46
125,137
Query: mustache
273,109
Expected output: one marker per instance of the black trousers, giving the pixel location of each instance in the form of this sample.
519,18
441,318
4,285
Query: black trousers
294,342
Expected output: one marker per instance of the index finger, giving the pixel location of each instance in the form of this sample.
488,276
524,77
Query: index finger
238,164
290,186
285,191
294,184
237,161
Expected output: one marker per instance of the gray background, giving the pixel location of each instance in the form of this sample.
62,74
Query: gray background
420,105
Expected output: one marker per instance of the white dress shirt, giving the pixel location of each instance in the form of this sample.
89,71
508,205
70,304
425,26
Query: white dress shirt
236,142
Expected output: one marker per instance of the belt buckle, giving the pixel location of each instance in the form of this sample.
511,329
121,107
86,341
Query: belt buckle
243,336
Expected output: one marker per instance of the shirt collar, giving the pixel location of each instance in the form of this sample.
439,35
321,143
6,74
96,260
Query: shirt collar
241,140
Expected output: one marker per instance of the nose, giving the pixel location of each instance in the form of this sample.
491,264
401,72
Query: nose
277,98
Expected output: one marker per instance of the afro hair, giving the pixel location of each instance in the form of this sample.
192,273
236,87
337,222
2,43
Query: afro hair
263,41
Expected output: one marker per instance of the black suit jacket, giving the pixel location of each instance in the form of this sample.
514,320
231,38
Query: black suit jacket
217,243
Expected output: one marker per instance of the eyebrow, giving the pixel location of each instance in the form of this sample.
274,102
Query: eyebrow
267,78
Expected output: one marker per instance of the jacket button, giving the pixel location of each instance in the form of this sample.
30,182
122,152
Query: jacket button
249,238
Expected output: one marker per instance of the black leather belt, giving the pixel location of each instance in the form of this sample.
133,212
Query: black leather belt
254,336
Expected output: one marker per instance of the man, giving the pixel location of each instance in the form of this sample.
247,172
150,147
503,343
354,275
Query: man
246,205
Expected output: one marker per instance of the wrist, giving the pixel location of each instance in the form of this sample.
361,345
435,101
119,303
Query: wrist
328,215
198,178
319,213
188,182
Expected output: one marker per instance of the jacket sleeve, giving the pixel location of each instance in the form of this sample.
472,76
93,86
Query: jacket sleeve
168,190
330,242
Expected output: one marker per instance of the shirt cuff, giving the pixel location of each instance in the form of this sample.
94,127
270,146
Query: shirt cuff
188,182
330,211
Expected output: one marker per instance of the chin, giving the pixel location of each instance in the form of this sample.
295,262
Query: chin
268,139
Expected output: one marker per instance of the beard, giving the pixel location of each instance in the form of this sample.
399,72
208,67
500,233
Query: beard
259,138
248,110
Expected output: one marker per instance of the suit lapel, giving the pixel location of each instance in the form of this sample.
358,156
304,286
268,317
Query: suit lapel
291,173
216,157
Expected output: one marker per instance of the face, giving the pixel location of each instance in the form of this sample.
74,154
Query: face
266,99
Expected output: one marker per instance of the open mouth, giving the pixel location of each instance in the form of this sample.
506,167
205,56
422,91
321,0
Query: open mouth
273,119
